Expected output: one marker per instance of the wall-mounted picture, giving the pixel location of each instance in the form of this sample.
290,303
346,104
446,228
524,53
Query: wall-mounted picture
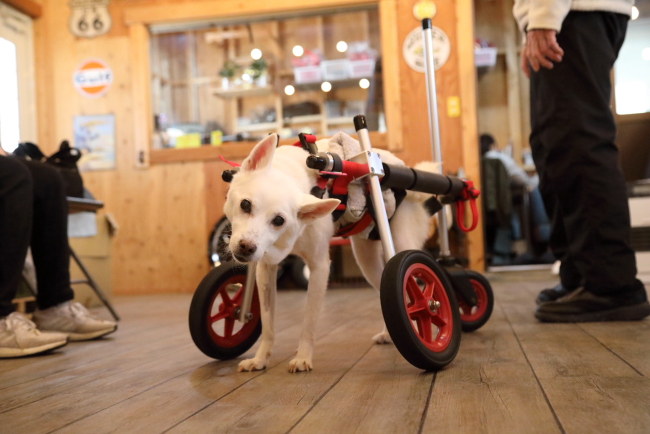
94,136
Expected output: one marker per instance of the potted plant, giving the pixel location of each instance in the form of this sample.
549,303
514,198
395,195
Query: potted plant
258,72
227,72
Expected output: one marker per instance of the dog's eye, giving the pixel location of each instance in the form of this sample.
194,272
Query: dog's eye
245,206
278,221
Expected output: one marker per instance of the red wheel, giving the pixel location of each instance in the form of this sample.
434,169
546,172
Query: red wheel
214,314
427,305
474,317
420,310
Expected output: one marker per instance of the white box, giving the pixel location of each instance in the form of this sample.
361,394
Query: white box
362,68
307,74
335,69
485,56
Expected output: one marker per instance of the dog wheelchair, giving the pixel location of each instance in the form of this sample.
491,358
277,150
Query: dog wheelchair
426,302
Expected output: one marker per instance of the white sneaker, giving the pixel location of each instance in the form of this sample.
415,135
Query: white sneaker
74,320
19,337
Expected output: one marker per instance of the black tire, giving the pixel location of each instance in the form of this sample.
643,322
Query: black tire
485,296
218,251
205,335
299,273
420,269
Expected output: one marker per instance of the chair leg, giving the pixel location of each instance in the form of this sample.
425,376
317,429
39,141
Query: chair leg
93,285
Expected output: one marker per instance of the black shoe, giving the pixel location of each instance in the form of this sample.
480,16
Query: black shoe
552,294
584,306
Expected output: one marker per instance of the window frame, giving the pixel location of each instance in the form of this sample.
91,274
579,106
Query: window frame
139,18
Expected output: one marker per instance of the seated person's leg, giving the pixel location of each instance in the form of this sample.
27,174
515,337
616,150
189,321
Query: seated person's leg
50,236
15,227
18,335
51,255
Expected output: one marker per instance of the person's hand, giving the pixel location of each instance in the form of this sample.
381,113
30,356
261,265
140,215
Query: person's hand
2,151
541,50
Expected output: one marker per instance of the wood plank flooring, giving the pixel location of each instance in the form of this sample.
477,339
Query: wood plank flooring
514,375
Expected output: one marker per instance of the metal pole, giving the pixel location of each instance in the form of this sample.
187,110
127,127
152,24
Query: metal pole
244,314
434,128
375,193
89,280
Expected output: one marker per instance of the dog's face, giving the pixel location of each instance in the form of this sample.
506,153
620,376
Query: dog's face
267,211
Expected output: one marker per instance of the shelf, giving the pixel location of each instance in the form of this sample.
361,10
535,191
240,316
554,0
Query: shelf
306,119
241,92
267,126
340,120
336,84
231,151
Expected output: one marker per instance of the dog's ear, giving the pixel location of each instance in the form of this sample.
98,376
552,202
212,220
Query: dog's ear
261,155
313,208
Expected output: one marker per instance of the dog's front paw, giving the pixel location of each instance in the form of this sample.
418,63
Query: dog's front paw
300,365
382,338
249,365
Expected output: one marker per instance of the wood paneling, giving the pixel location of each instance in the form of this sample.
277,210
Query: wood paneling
165,211
161,211
30,8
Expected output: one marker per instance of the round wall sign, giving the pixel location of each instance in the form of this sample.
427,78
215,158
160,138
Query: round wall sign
413,48
92,78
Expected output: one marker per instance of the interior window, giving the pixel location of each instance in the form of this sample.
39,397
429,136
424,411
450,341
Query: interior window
17,99
9,118
217,82
632,69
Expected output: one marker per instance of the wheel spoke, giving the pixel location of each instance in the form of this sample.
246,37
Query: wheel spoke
218,316
415,310
414,290
226,299
227,330
424,327
438,321
236,299
428,290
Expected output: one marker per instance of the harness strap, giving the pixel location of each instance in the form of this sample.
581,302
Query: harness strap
470,194
356,227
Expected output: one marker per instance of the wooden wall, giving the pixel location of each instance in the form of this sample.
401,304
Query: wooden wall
165,211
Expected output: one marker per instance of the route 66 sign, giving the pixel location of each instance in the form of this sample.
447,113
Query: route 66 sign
89,18
413,48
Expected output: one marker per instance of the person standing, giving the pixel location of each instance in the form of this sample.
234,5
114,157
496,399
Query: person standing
569,50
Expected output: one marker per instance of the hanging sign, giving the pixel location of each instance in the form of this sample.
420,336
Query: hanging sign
92,78
413,48
89,18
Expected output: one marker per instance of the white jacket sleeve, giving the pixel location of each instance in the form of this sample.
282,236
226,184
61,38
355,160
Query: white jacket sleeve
547,14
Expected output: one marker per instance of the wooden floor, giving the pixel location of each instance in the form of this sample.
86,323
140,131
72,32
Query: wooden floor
514,375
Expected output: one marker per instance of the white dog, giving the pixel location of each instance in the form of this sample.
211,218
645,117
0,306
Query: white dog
273,215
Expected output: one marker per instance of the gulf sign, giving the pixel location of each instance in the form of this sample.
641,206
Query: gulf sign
92,78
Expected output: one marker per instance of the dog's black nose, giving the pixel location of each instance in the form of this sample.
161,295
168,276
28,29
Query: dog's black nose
247,247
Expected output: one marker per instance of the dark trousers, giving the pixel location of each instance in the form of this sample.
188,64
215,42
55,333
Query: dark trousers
572,140
33,209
